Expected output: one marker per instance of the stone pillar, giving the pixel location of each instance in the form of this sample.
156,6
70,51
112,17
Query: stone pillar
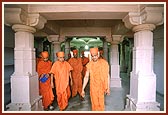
142,95
24,80
130,57
143,79
122,58
105,49
67,48
40,46
115,67
55,45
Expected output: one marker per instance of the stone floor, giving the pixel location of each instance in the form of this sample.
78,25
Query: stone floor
114,102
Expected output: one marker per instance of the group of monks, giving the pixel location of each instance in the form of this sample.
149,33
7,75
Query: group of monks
70,78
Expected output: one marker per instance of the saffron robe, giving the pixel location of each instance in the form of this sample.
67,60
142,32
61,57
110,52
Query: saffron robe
45,89
85,60
77,66
98,83
61,71
37,61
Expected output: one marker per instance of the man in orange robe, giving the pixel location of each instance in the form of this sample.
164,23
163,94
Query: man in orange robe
99,80
85,60
101,54
38,59
61,72
77,66
45,89
69,56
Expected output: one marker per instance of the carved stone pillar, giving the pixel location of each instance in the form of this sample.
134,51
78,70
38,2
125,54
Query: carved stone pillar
130,57
142,95
122,58
24,80
142,75
115,67
67,48
105,49
55,45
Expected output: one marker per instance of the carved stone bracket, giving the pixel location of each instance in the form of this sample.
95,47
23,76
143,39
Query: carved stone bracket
18,16
14,16
116,39
53,38
108,39
148,15
36,20
119,29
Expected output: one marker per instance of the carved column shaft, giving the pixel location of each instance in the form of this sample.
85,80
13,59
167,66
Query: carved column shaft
24,81
105,49
67,48
130,57
24,50
143,80
115,67
55,46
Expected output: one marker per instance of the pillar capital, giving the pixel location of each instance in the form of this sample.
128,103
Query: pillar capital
108,39
116,39
24,28
62,39
148,15
149,27
19,16
53,38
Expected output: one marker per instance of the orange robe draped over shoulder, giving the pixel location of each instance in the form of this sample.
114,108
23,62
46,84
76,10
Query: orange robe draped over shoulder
85,60
77,66
61,71
37,61
45,88
98,83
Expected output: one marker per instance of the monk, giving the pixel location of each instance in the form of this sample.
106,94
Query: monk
77,66
69,56
99,80
101,54
61,72
85,60
45,89
38,59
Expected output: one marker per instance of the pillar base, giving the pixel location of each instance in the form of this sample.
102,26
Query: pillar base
36,106
115,82
25,93
140,106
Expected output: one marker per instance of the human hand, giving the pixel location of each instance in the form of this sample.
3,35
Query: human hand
47,75
52,85
71,83
83,93
41,76
107,91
